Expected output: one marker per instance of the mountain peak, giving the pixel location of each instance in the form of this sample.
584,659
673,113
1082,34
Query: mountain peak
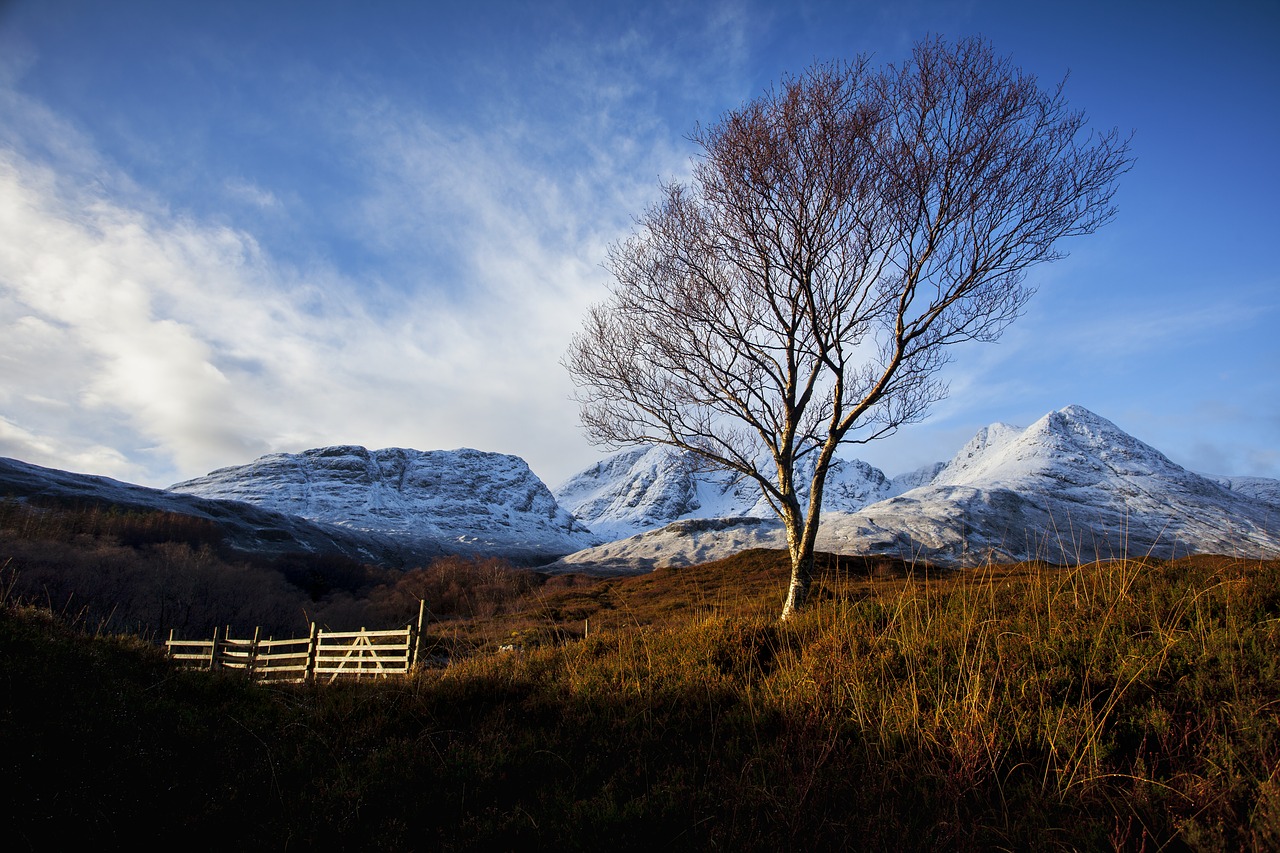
473,499
645,488
1071,487
1071,445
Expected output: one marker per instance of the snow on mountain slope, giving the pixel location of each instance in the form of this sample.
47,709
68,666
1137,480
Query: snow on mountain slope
1070,487
1263,489
468,500
246,527
681,543
922,476
645,488
972,460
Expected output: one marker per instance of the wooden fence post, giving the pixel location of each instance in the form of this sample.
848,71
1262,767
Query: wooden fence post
367,653
417,634
252,663
310,671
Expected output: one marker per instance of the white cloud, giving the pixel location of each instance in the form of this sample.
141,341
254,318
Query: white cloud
173,346
251,194
65,453
110,292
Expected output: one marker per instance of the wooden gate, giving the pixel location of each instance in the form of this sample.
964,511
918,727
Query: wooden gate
324,654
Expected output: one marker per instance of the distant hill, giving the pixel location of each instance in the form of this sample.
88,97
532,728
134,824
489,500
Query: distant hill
245,527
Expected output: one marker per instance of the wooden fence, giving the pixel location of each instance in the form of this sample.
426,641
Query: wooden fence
324,654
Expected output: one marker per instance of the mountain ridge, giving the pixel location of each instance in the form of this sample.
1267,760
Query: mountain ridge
246,527
1071,487
464,500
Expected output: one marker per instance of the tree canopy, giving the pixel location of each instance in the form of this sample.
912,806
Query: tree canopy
840,232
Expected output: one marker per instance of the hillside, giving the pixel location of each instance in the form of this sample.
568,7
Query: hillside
242,526
1118,706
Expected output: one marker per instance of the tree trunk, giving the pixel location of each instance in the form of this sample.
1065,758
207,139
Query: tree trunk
801,578
801,557
802,536
800,545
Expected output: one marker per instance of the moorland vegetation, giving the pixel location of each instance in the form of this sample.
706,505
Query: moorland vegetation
1128,704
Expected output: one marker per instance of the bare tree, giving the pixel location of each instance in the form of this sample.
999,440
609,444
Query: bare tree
839,233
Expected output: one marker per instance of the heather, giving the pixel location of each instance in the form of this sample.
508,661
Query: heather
1118,705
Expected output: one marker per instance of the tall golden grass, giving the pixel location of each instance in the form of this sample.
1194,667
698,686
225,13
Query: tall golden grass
1125,704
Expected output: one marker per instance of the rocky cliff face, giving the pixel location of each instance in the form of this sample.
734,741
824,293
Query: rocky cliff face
464,500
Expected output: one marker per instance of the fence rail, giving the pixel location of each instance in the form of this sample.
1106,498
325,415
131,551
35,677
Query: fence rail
323,654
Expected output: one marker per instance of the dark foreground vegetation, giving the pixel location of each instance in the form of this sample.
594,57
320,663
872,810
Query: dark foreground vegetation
1124,705
146,572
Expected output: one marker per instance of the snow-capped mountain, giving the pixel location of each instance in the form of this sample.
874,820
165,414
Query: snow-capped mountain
645,488
1070,487
922,476
246,527
465,500
970,460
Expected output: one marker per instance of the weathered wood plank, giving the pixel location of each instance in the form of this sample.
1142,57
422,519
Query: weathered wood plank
399,632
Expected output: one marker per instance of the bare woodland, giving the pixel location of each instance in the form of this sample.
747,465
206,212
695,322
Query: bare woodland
839,234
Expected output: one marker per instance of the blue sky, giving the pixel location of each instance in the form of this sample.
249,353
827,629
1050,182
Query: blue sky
228,229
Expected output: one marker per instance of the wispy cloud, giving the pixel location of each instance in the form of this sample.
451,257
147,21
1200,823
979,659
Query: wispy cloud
176,344
207,351
337,248
251,194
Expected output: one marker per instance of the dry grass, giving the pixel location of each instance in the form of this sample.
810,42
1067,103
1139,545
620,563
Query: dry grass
1131,704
